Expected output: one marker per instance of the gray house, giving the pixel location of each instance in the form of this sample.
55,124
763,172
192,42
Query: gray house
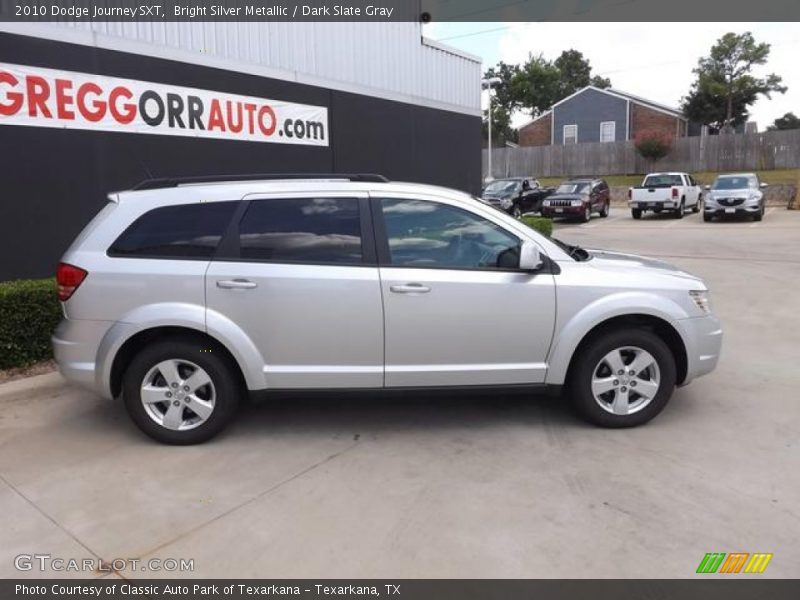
601,115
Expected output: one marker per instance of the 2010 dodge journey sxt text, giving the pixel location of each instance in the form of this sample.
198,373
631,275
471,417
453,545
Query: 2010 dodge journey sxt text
180,296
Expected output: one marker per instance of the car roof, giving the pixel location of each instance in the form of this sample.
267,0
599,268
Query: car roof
736,175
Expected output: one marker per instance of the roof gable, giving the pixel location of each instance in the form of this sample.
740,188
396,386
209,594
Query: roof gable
625,96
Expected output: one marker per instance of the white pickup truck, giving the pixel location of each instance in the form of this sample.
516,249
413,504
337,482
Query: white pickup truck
674,192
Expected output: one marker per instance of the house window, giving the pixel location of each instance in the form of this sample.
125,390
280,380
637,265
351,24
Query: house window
570,134
608,131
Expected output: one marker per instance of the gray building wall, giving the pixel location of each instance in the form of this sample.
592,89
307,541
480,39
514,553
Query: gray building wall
587,110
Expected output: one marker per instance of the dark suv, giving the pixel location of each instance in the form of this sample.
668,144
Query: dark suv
515,195
578,198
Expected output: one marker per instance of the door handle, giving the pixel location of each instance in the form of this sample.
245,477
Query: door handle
410,288
236,284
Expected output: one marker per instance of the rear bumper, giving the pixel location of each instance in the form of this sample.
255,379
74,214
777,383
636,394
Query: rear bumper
703,339
656,206
75,345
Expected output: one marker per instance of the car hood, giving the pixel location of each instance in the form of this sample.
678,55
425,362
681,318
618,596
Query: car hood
497,196
627,262
742,192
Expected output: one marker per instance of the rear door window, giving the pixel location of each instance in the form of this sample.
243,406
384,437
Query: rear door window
181,231
302,230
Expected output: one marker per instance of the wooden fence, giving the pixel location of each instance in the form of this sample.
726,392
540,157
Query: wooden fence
748,152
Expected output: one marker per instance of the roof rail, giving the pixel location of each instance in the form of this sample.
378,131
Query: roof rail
169,182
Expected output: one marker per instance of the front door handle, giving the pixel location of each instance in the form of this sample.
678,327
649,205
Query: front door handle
410,288
236,284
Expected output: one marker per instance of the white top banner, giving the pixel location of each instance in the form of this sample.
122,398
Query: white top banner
37,97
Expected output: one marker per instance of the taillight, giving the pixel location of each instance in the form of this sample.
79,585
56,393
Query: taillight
630,193
674,192
68,277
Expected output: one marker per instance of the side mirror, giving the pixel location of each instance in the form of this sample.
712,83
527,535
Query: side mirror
763,185
706,187
529,257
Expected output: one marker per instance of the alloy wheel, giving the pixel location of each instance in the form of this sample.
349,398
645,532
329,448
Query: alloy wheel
625,380
178,394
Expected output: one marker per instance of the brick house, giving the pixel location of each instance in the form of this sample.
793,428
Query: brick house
597,115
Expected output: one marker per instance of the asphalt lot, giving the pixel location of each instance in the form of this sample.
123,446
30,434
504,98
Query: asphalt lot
479,486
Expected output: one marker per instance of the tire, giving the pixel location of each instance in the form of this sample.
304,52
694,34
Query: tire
587,214
219,397
622,405
636,213
605,210
707,217
759,215
681,210
516,212
696,207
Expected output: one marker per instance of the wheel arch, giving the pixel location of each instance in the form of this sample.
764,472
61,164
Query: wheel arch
614,314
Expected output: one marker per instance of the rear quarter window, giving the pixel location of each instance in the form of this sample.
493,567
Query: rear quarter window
182,231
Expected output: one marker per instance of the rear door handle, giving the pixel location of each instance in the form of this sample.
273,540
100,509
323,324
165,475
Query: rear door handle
410,288
236,284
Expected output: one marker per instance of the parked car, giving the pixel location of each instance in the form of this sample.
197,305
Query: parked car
674,192
181,296
515,195
578,198
735,194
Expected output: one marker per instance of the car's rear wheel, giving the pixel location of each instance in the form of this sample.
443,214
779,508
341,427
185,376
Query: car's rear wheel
622,378
180,392
681,210
636,213
707,217
698,204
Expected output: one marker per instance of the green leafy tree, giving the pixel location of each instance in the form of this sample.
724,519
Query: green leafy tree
534,86
787,121
725,86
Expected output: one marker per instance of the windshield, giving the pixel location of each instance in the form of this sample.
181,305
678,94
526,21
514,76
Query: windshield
653,181
501,186
573,188
734,183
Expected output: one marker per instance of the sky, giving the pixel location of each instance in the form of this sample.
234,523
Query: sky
651,60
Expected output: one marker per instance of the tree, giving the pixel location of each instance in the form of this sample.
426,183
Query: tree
538,83
787,121
653,145
725,86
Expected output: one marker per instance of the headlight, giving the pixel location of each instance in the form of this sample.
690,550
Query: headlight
576,203
701,300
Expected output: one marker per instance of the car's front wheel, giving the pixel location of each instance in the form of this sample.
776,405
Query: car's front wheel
179,391
622,378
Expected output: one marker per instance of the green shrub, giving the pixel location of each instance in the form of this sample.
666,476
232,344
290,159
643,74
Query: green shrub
29,312
541,224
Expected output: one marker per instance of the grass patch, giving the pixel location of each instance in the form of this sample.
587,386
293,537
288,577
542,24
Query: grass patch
541,224
704,178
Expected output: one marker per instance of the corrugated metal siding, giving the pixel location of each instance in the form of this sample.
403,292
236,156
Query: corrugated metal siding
378,57
587,110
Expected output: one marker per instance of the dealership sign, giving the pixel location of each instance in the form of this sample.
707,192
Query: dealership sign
36,97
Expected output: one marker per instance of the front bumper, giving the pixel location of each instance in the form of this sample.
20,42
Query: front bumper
562,211
703,339
723,211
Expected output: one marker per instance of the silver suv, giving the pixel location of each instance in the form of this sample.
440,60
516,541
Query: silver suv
735,194
183,295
